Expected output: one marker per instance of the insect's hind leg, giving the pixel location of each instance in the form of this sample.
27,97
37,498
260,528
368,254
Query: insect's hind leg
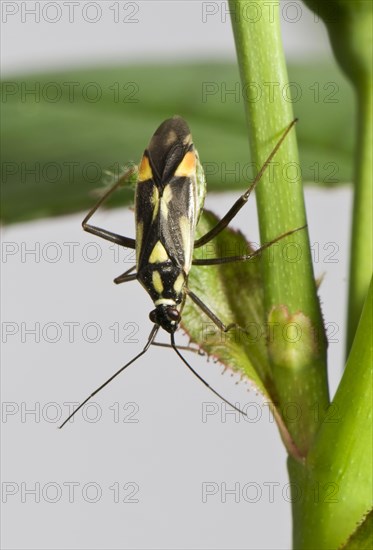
103,233
222,224
246,257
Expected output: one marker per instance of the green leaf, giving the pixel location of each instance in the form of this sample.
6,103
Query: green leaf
234,293
58,139
362,538
349,23
223,288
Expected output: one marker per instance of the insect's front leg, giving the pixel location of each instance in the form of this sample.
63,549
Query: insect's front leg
211,314
193,349
103,233
126,276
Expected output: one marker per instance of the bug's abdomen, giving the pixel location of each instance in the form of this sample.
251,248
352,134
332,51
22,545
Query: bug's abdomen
164,282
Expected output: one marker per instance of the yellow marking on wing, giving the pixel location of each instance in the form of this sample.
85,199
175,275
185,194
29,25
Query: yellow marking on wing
171,138
179,283
158,254
155,202
187,140
157,282
187,166
139,236
145,172
187,245
165,199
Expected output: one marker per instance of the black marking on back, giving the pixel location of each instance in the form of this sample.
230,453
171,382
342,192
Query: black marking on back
167,148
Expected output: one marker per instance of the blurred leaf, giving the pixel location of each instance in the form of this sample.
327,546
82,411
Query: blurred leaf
350,27
61,131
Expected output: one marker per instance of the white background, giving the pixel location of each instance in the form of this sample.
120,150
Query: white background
40,35
170,452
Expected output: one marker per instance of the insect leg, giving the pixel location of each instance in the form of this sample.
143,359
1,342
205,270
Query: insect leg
246,257
173,345
211,314
151,337
222,224
125,277
184,348
103,233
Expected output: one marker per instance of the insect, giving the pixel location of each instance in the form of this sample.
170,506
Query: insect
169,199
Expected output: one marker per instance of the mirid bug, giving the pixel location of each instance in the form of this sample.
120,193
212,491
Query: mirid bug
169,198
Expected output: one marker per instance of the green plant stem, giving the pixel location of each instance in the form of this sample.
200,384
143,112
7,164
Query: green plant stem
350,27
333,491
287,283
362,227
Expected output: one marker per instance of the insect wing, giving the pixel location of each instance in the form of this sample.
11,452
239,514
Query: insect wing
165,218
146,211
201,186
177,220
168,198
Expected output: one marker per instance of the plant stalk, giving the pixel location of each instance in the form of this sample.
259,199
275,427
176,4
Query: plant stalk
350,27
333,491
298,371
362,227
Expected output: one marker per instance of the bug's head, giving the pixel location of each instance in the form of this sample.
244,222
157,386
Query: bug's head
168,317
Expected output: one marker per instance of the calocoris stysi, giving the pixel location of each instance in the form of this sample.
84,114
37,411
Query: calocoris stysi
169,198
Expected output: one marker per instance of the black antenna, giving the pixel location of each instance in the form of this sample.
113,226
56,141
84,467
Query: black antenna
151,337
200,377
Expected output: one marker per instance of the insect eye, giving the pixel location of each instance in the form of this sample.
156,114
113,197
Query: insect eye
153,316
173,314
